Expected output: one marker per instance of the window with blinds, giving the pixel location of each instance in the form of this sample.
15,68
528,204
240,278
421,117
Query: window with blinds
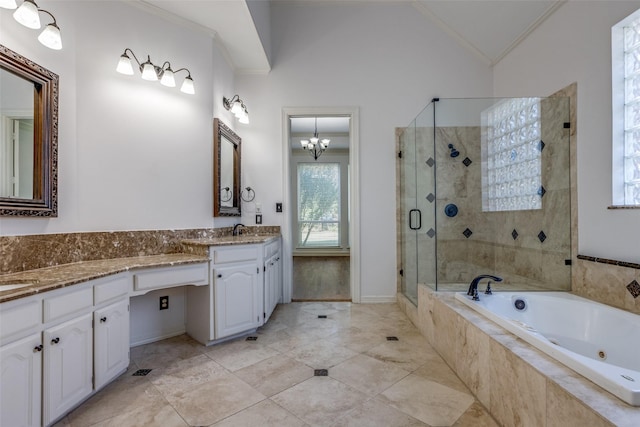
318,205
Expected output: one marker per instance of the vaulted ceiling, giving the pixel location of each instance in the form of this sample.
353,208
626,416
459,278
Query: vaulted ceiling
487,28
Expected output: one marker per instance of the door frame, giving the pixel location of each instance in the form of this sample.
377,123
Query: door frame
354,199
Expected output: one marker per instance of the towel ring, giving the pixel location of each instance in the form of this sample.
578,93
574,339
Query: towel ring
250,194
228,191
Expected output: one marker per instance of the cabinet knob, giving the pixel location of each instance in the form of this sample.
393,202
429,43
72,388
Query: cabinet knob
37,348
56,340
103,319
219,276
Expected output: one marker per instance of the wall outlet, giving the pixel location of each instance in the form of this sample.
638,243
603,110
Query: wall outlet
164,302
278,207
259,219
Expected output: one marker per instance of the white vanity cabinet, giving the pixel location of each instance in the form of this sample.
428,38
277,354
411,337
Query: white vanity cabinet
68,366
272,277
237,288
111,342
21,382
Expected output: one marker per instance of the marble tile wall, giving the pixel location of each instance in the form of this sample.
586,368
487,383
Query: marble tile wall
324,278
27,252
517,383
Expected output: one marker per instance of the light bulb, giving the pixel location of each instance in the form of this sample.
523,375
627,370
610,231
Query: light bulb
167,78
8,4
50,37
124,65
187,86
149,72
27,15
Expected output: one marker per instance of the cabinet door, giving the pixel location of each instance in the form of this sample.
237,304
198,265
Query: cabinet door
270,287
68,366
238,302
111,341
21,382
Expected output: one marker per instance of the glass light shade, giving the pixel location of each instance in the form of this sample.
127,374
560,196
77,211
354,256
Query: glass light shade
304,143
168,79
326,142
187,86
244,119
124,65
314,140
27,15
50,37
149,72
236,109
8,4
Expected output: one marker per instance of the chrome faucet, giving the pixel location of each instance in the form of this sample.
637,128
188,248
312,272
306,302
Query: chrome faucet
473,287
235,229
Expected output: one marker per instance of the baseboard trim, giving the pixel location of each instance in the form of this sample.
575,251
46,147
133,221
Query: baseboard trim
377,299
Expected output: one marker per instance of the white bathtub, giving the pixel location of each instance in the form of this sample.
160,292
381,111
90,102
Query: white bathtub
597,341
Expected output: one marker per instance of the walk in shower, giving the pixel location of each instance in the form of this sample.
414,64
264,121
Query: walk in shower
484,188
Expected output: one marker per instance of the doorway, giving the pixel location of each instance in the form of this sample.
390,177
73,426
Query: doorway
321,232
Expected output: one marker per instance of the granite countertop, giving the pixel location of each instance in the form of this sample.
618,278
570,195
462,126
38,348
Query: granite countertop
243,239
60,276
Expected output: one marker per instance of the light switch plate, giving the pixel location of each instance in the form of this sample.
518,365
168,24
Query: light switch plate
278,207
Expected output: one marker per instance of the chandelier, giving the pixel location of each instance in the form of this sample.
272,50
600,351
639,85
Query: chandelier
315,145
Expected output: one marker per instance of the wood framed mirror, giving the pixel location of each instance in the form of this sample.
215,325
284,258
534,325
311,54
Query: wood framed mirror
226,176
28,137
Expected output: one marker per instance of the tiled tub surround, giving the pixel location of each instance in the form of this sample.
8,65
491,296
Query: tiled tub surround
517,383
29,252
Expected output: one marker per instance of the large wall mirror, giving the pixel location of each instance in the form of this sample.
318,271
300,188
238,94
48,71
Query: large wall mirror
28,137
226,176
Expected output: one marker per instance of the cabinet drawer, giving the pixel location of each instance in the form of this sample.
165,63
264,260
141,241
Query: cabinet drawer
68,303
19,318
111,288
167,277
226,255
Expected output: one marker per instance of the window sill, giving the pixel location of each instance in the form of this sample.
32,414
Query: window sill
616,207
321,252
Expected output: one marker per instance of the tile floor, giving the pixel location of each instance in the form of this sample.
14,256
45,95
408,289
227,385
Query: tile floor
270,381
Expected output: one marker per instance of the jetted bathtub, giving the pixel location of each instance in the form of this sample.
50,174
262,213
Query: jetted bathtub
599,342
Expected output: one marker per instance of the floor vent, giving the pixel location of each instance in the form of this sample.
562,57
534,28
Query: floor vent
320,372
252,338
322,316
392,338
141,372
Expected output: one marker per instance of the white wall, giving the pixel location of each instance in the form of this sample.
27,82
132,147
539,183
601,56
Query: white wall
574,45
386,59
132,154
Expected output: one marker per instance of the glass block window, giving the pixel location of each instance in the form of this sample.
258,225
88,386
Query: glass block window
318,205
511,156
632,112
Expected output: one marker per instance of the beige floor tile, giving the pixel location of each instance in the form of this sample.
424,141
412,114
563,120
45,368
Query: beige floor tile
239,354
273,375
162,353
126,394
438,371
428,401
319,401
403,354
357,339
263,414
477,416
296,339
367,374
215,400
182,376
374,413
157,415
321,354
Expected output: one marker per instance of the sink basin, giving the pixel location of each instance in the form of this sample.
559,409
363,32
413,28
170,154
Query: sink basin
12,286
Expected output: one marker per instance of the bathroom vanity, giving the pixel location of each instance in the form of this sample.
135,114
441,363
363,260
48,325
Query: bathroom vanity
65,330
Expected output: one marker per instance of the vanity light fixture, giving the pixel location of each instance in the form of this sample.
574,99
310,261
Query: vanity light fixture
28,15
151,72
315,145
237,107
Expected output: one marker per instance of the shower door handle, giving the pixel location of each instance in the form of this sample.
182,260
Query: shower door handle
415,217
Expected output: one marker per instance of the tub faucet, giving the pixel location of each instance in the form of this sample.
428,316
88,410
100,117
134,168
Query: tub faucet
473,287
235,229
